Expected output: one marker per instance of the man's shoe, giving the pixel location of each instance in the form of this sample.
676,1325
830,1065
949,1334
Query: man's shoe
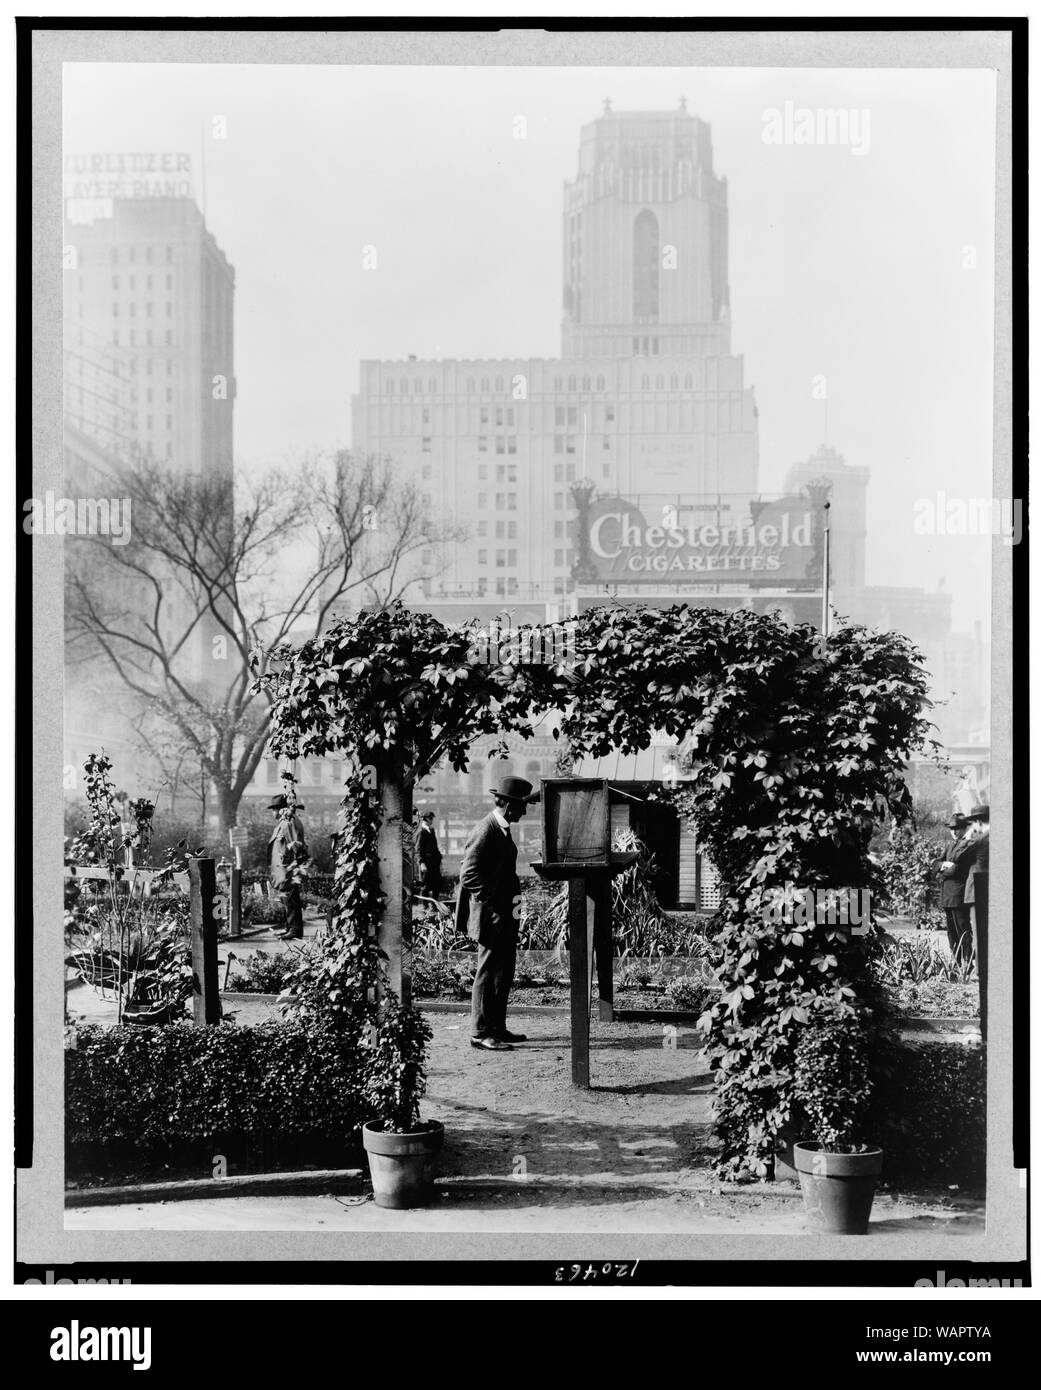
491,1044
514,1037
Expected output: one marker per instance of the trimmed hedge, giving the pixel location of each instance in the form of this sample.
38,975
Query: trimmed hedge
931,1115
167,1088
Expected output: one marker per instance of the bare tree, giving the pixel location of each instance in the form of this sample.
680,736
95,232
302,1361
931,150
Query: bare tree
216,570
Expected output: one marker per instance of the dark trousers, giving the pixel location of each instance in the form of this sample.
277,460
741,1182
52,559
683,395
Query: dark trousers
959,932
491,991
981,905
294,911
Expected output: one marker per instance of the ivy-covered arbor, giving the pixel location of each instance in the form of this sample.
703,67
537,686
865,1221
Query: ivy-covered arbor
799,749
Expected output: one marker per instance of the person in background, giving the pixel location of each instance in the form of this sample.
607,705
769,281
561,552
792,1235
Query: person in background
428,855
954,870
487,910
286,854
977,899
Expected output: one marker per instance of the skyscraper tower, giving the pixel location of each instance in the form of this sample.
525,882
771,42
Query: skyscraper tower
645,240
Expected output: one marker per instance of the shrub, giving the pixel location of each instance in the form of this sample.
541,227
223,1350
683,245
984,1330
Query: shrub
689,993
930,1115
264,974
833,1082
160,1088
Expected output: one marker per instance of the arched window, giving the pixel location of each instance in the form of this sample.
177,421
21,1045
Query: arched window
646,261
484,383
600,383
432,385
404,386
498,383
688,383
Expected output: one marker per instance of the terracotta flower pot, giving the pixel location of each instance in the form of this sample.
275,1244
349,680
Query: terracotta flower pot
402,1165
838,1189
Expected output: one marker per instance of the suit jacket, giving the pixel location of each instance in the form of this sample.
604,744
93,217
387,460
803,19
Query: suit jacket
962,855
980,870
286,847
489,888
427,851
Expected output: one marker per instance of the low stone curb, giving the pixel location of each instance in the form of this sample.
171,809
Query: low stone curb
244,1185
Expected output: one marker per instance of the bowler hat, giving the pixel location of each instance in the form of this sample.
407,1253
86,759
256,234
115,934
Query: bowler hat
515,789
957,821
281,802
980,813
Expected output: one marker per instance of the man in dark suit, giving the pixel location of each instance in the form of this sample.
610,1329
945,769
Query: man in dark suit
488,910
977,898
954,870
286,856
428,855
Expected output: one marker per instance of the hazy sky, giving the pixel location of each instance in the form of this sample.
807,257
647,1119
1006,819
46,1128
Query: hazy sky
851,266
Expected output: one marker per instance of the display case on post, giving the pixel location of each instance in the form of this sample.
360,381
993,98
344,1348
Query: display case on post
576,848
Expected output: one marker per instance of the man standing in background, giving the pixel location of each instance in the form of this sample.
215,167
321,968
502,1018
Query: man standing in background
954,870
428,855
977,894
286,854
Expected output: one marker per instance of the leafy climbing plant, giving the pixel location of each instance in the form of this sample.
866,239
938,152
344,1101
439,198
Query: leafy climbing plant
797,749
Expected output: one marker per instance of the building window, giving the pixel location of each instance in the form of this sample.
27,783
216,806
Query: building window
500,588
148,254
428,472
484,414
558,559
558,530
482,500
115,255
169,255
470,384
688,383
500,530
570,446
482,443
511,559
482,472
558,383
609,414
511,502
115,310
426,444
571,472
645,383
169,282
500,444
500,559
498,383
607,441
571,383
484,383
482,557
558,443
426,415
659,382
133,309
512,530
511,444
646,263
572,414
417,386
509,415
558,586
500,501
432,385
558,473
654,347
601,384
636,347
558,501
169,338
586,384
482,528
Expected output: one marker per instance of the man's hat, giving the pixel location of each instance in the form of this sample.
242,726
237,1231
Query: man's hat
281,802
516,789
980,813
957,821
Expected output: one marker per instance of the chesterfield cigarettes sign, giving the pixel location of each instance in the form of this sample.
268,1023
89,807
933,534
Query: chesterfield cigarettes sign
776,547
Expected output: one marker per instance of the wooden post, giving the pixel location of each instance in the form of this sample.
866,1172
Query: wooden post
202,876
603,946
394,934
580,931
235,901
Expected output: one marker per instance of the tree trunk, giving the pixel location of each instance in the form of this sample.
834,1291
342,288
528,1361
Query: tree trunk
394,933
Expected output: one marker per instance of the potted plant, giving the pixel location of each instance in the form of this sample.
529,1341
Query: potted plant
402,1150
837,1169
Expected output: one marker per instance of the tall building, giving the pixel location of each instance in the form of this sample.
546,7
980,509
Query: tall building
647,399
148,310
